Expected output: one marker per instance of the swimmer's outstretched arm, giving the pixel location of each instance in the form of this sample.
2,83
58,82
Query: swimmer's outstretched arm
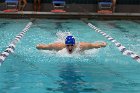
54,46
98,45
86,46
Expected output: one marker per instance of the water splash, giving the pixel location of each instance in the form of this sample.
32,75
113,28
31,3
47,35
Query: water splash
64,53
76,54
61,36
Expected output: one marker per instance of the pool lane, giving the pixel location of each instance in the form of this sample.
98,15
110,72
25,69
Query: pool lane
126,32
9,28
120,47
11,47
102,71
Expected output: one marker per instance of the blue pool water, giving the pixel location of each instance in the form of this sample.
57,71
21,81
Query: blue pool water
104,70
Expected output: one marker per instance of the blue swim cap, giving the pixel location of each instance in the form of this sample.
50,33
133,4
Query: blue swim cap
70,40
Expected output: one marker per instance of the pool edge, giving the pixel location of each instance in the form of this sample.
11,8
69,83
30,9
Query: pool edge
69,15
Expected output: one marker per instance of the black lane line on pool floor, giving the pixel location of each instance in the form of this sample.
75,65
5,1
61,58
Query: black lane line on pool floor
121,48
12,45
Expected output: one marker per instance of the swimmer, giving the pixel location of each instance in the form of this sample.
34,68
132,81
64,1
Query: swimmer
70,45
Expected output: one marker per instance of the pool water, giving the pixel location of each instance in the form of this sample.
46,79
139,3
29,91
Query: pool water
103,70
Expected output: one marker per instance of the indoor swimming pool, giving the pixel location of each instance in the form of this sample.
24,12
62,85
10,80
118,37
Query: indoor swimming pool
104,70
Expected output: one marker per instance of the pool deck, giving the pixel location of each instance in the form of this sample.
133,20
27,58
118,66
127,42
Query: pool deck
69,15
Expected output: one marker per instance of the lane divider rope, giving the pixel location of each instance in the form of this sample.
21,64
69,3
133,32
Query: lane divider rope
12,45
117,44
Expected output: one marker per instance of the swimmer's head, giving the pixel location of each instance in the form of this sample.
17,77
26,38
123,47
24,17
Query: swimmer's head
70,43
70,40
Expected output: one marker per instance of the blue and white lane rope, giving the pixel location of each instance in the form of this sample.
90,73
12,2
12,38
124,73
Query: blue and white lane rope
12,45
117,44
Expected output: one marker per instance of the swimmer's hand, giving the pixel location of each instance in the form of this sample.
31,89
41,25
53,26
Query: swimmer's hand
103,44
37,46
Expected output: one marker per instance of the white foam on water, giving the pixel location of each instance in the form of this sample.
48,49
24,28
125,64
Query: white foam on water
76,53
62,35
92,52
50,52
64,53
138,60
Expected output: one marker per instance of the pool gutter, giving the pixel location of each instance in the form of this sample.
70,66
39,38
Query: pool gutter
69,15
